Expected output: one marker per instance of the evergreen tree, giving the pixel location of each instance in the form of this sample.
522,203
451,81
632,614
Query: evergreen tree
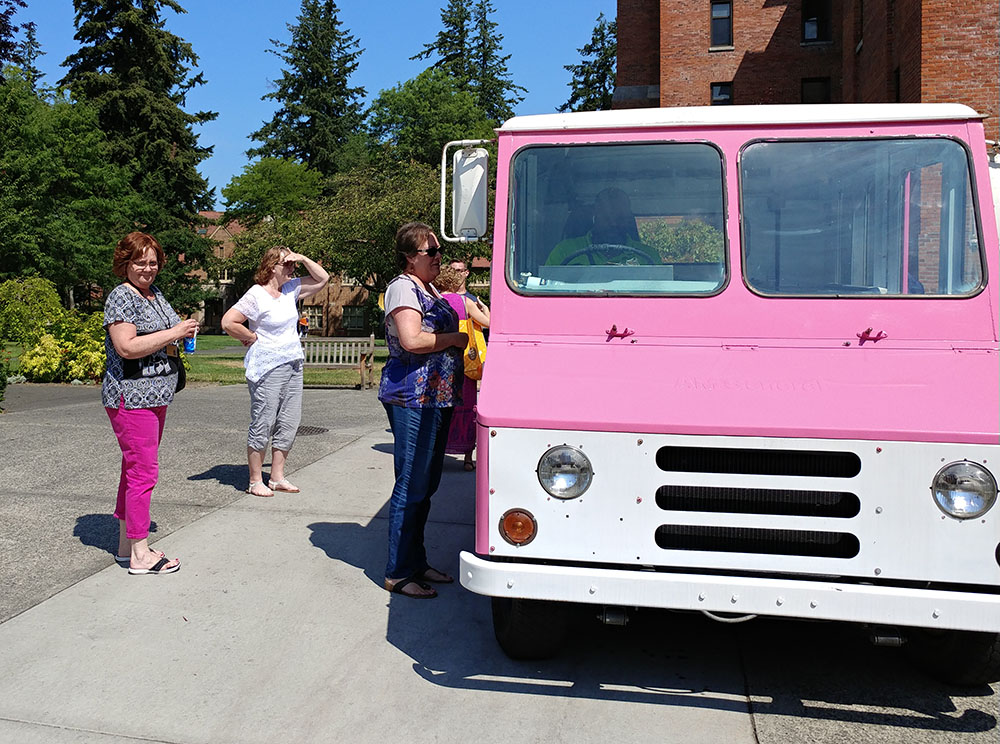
137,75
470,49
29,51
453,43
490,83
319,113
9,47
593,83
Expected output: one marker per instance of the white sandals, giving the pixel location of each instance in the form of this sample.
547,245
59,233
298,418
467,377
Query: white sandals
282,485
257,493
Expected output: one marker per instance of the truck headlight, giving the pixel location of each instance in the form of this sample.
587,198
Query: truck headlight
565,472
964,490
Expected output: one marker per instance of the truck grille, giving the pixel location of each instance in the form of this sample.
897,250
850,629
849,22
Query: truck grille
835,504
734,500
747,540
758,462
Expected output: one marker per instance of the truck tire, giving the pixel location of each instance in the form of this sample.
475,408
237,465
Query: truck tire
529,628
956,657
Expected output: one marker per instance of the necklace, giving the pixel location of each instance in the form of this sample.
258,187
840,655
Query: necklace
154,302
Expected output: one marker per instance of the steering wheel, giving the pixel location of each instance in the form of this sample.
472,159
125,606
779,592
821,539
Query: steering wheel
591,252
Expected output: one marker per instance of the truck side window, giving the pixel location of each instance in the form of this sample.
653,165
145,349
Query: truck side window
859,218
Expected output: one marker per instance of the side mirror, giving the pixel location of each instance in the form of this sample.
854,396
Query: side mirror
468,191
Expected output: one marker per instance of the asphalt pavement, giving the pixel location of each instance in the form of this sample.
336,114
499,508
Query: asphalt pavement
276,628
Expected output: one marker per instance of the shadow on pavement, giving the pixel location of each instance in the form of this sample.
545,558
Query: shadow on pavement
100,531
226,475
786,673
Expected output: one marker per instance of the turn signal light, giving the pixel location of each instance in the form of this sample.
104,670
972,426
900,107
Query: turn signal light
518,527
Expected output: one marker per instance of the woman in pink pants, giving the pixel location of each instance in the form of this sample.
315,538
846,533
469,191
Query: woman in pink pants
141,330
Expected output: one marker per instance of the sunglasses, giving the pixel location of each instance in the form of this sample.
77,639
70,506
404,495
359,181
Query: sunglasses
431,252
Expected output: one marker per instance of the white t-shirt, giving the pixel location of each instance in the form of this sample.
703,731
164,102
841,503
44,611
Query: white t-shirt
275,321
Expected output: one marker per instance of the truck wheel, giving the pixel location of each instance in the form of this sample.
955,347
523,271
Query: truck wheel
957,657
529,628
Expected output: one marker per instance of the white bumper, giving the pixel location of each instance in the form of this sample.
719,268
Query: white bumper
745,595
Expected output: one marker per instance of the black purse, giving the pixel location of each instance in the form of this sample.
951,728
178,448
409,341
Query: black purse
165,361
177,364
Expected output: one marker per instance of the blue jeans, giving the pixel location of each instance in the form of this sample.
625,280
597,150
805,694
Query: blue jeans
420,436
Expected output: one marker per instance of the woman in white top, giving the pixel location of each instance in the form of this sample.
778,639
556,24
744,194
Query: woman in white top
274,360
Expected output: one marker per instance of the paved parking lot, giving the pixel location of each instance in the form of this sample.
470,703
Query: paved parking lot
276,628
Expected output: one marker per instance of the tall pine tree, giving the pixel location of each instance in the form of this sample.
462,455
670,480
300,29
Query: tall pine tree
137,75
470,49
9,47
30,50
320,113
453,43
593,83
491,84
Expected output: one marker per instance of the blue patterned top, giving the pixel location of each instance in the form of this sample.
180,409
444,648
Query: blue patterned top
420,380
156,383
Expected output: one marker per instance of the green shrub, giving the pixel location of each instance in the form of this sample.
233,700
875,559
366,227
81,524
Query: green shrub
74,350
44,362
28,308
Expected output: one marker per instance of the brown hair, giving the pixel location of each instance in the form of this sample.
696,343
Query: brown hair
131,247
270,259
409,238
449,280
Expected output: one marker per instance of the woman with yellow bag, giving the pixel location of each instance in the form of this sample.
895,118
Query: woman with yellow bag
475,316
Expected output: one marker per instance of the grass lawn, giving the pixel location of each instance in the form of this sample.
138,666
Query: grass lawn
228,370
13,351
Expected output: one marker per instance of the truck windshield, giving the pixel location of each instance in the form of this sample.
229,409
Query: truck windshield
859,218
644,219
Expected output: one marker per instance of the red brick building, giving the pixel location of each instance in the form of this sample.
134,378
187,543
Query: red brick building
701,52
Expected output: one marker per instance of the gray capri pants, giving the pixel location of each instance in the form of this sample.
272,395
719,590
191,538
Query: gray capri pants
276,407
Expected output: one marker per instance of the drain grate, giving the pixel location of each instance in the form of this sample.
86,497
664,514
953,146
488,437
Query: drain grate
308,431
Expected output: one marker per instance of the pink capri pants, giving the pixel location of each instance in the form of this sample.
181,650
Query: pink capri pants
139,431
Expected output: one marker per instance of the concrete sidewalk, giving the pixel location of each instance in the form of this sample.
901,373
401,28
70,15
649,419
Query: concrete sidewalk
276,628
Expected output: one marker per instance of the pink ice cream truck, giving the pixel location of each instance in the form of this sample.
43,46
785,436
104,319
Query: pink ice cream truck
743,361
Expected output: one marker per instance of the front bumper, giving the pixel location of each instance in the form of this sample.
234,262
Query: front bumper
744,595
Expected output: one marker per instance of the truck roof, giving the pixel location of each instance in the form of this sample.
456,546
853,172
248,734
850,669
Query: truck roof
687,116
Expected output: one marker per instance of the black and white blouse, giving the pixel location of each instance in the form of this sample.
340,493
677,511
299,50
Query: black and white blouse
151,383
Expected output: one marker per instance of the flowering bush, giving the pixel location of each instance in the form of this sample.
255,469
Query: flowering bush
74,350
44,361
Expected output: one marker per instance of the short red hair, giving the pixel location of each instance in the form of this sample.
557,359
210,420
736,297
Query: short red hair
131,247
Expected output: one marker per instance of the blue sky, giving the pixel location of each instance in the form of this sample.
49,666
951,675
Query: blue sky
230,40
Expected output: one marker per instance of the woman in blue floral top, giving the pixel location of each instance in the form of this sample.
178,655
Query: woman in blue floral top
421,384
141,330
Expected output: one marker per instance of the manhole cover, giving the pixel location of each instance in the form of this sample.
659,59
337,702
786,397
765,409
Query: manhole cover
308,431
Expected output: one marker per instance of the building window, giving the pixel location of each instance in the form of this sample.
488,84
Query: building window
816,21
353,318
816,90
722,23
315,315
722,94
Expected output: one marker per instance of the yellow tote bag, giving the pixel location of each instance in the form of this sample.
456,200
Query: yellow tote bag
475,351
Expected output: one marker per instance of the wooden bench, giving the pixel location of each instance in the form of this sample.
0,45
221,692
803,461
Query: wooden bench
337,352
